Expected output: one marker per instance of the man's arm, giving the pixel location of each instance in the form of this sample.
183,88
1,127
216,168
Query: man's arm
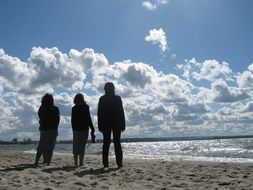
57,116
122,116
99,115
90,121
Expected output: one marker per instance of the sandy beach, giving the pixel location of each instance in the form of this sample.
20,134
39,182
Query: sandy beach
17,172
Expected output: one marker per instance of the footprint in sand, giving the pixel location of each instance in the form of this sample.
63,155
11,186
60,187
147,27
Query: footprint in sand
94,184
81,184
224,183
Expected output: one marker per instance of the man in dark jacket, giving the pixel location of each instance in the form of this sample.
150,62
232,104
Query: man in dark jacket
111,119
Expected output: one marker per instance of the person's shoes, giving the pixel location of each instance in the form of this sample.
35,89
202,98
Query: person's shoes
44,163
120,166
36,164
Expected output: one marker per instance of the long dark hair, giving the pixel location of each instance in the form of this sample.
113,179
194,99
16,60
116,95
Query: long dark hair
47,100
79,99
109,88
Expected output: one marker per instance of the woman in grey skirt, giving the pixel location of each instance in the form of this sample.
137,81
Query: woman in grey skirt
49,120
81,122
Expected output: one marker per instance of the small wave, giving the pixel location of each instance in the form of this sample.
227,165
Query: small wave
191,158
30,151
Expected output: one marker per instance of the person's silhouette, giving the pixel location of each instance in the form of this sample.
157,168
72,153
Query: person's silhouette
49,118
81,122
111,119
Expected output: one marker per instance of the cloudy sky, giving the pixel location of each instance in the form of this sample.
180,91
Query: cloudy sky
182,67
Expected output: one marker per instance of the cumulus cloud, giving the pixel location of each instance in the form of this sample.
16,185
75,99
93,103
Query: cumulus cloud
248,107
210,70
138,74
157,37
7,117
55,68
1,52
223,93
48,68
148,5
189,114
64,101
245,79
88,59
156,103
15,73
185,108
153,5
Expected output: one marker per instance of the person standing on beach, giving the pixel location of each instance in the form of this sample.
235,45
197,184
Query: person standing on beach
111,119
49,118
81,122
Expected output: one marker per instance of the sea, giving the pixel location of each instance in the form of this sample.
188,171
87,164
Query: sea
211,150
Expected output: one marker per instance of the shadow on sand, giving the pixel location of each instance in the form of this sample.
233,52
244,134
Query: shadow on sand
81,173
94,172
63,168
19,167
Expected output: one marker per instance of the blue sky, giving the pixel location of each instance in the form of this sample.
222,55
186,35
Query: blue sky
207,47
206,29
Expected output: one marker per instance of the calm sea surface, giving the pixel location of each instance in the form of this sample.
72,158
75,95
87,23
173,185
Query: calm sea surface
222,150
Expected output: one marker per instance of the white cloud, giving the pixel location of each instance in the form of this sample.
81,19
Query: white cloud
156,103
223,93
138,74
15,73
7,117
209,70
87,58
185,108
152,6
149,6
245,79
157,37
248,107
55,68
2,52
212,69
65,102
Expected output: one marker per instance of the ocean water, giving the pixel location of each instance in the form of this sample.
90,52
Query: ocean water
221,150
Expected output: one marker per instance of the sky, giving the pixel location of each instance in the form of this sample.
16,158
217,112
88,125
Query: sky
182,67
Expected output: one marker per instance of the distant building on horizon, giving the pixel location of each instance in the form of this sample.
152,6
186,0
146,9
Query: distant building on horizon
14,141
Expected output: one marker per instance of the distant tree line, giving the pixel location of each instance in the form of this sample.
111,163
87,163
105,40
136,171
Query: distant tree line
24,141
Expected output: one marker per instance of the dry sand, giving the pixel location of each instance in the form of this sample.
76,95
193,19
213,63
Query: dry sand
17,172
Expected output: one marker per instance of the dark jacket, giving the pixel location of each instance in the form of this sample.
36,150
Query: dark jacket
49,118
110,113
80,117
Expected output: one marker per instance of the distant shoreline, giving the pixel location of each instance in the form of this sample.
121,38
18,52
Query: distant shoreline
146,139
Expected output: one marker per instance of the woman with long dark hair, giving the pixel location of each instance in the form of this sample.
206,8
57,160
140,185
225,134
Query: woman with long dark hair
49,118
81,122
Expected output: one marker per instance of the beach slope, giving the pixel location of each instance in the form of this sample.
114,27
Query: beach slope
17,172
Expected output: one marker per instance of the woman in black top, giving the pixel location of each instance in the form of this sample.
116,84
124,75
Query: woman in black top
49,118
81,122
